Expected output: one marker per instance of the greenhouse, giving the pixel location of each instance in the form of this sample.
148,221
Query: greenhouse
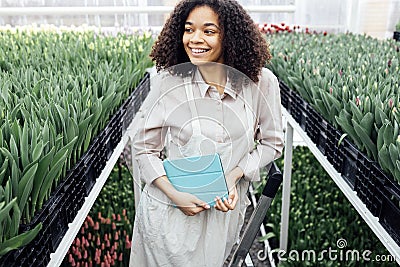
149,133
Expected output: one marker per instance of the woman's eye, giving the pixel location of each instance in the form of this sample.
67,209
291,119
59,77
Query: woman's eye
209,31
188,30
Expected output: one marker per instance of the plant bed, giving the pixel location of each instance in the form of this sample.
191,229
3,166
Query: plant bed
349,166
298,109
351,80
26,255
116,124
95,152
392,187
89,176
105,235
320,215
108,146
313,119
144,89
75,201
322,136
38,250
65,202
389,209
51,112
54,226
286,99
362,174
389,217
302,113
369,186
58,226
135,100
396,36
129,113
357,96
294,104
334,150
316,128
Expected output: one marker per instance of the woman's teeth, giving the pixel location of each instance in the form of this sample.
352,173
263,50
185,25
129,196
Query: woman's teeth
194,50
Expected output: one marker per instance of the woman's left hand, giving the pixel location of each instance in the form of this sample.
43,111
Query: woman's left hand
231,180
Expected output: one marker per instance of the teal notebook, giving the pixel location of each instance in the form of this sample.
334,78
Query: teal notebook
202,176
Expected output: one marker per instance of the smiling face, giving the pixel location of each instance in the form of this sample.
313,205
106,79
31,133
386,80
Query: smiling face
202,38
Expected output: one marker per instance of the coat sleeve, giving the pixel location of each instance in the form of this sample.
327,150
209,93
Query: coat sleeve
269,136
150,137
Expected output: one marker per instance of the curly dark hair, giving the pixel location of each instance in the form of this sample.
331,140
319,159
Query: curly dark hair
244,47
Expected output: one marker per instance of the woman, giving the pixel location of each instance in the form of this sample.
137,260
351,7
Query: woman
211,95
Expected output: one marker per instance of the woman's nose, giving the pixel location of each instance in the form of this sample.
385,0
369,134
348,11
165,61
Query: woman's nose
196,37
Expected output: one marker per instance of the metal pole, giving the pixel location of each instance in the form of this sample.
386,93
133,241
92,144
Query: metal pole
287,175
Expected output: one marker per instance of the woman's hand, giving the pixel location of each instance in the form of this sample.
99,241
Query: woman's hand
189,204
230,203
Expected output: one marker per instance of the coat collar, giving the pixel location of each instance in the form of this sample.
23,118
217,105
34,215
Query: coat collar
204,87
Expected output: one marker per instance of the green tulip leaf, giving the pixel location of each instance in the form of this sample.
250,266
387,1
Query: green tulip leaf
3,170
19,240
355,111
43,168
367,122
343,122
88,138
25,186
388,135
366,140
267,236
4,211
15,219
46,132
379,141
380,116
37,151
394,154
384,159
55,169
321,108
24,146
14,149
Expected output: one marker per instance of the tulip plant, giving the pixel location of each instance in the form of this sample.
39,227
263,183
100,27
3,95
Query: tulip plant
57,91
352,81
105,236
283,27
319,216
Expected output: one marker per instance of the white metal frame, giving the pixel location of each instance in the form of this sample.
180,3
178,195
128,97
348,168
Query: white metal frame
112,10
287,176
57,257
351,195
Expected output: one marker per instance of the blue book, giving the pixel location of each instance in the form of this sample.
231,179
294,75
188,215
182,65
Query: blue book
202,176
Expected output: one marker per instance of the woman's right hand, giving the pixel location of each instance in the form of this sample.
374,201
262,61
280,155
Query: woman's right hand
189,204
